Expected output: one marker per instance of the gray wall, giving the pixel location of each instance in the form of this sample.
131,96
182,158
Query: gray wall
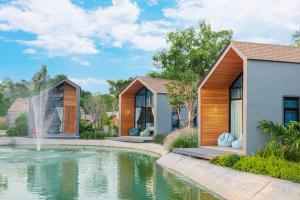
163,119
267,83
164,114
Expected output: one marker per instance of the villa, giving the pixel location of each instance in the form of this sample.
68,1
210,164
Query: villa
144,104
19,106
249,82
61,110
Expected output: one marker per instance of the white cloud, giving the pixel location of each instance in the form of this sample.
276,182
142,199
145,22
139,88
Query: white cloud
83,82
63,28
66,29
81,62
254,19
29,51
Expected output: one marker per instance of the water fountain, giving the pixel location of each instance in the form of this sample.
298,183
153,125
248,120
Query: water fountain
39,117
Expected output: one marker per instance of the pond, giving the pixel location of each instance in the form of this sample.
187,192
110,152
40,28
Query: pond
89,173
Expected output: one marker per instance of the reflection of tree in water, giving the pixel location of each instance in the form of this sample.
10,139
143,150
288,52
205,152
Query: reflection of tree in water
177,188
3,183
54,180
135,173
141,178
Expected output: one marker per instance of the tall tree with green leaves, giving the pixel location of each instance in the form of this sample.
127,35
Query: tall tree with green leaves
40,79
296,38
183,94
188,59
56,79
190,49
116,87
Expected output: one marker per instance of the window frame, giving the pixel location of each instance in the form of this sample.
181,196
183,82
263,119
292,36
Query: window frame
235,99
146,94
291,109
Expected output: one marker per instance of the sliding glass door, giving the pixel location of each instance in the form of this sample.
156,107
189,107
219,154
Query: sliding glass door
236,108
144,110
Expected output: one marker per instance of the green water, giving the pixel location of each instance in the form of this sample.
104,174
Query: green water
89,174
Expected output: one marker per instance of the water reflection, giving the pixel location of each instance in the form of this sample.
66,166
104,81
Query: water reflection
89,174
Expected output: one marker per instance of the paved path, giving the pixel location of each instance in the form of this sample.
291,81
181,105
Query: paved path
229,183
225,182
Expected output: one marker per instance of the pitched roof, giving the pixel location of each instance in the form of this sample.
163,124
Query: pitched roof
65,80
155,84
19,105
270,52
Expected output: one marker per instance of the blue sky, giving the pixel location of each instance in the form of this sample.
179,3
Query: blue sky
95,40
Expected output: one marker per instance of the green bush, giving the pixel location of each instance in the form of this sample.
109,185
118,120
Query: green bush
284,140
112,133
271,166
181,138
226,161
20,126
187,141
92,135
159,138
85,126
3,126
106,121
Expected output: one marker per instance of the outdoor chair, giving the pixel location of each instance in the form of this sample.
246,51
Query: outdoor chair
145,133
134,132
225,140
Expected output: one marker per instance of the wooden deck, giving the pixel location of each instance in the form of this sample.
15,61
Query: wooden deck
133,139
208,152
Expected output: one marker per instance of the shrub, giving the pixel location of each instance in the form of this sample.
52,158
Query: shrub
159,138
85,126
20,126
271,166
181,138
3,126
284,140
92,135
112,133
226,161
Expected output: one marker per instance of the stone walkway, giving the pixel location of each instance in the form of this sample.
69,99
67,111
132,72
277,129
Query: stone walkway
227,183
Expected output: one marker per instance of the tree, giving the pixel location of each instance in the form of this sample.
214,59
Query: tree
96,108
116,87
56,79
108,101
296,38
188,59
183,94
39,79
4,104
84,96
190,49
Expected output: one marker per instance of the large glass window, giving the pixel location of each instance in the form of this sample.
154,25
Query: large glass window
144,110
291,109
236,107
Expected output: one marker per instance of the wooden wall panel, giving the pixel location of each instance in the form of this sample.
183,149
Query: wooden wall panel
69,109
229,68
127,113
214,114
127,105
214,98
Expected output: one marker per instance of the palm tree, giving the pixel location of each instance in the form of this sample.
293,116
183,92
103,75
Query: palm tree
284,139
40,79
